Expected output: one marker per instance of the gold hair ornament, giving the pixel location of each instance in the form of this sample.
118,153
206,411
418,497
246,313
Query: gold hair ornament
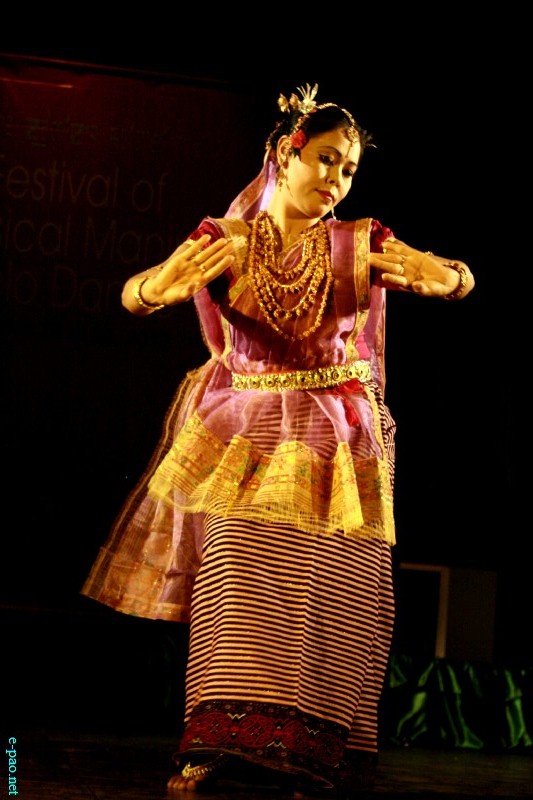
304,106
307,106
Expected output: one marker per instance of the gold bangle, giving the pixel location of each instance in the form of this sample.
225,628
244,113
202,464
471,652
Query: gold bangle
459,291
139,298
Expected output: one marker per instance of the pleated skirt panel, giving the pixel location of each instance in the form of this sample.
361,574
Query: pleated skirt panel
290,637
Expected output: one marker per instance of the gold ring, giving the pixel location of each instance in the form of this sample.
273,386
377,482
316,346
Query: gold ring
402,260
201,267
401,270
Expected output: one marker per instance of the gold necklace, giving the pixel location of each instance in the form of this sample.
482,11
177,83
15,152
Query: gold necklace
272,284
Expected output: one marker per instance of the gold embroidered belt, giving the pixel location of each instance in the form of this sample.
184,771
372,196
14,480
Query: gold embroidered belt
319,378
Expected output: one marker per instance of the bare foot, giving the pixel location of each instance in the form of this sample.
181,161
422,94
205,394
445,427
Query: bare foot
181,784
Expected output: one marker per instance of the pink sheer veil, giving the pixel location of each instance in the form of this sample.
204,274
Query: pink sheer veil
256,196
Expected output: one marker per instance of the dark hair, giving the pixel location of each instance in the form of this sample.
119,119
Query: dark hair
322,119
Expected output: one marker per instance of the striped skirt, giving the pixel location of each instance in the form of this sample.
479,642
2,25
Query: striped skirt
290,636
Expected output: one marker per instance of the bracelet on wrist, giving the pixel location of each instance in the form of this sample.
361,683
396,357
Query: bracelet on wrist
459,291
140,299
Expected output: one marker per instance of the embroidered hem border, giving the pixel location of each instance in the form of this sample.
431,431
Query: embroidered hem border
276,736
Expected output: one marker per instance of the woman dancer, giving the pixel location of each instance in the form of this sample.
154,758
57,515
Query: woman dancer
265,518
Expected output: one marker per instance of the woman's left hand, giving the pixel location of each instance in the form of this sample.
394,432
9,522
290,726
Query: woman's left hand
404,268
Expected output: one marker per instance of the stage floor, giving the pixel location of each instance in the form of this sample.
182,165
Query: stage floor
75,766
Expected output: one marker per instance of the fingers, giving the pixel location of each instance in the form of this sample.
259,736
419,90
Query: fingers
394,245
206,257
192,266
194,256
405,267
397,279
396,251
393,263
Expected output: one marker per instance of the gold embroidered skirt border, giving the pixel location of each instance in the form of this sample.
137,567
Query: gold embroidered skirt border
320,378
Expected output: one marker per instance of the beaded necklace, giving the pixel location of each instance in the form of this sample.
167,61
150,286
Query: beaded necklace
272,284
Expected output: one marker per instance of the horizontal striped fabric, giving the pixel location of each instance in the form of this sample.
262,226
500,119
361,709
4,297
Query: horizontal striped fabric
290,635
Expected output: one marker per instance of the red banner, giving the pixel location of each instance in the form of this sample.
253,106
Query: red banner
102,174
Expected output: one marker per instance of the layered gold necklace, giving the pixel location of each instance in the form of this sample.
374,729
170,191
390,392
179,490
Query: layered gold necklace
272,284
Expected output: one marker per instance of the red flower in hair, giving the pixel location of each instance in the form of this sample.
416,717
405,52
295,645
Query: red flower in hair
298,139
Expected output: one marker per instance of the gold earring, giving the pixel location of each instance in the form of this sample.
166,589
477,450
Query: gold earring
281,177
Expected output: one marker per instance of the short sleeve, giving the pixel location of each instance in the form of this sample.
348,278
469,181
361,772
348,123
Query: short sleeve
378,234
206,226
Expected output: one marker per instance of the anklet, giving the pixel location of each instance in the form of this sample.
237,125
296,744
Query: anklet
203,770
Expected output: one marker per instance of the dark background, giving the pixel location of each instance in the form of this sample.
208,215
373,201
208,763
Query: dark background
86,390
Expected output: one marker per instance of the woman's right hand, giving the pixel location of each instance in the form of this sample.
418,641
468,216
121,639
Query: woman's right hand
191,267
